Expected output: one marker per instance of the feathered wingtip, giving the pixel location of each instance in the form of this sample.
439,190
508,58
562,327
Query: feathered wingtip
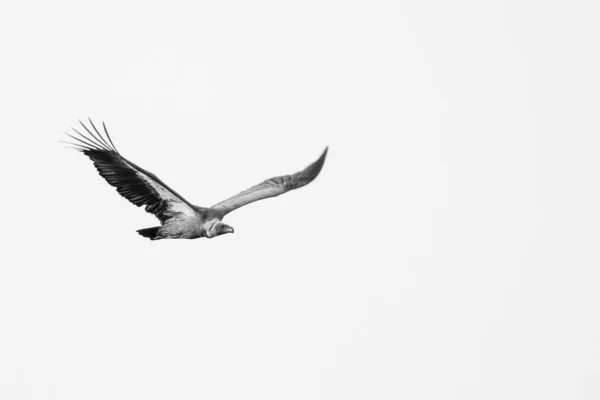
315,168
97,142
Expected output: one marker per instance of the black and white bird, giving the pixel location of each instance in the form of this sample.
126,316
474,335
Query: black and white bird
179,218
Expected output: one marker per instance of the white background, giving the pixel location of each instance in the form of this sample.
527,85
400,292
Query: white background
448,250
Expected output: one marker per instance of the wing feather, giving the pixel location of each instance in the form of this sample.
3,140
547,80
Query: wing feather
137,185
273,187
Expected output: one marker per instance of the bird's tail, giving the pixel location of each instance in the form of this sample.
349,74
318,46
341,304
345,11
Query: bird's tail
150,233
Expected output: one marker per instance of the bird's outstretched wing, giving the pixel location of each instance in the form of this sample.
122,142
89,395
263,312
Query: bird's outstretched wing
136,184
273,187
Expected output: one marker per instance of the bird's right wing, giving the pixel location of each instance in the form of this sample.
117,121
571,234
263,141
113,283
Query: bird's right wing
273,187
134,183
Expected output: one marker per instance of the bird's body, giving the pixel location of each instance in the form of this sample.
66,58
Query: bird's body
195,226
179,218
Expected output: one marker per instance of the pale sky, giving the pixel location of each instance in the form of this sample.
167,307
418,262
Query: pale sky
448,250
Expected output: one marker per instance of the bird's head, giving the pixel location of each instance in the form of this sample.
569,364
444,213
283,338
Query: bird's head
217,229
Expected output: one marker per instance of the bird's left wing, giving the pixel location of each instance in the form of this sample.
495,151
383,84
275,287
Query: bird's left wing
273,187
134,183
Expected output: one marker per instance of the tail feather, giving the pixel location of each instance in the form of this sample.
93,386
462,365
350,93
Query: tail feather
150,233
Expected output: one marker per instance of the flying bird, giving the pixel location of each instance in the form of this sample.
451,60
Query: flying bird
179,218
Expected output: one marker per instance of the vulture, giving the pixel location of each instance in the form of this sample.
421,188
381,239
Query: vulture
179,218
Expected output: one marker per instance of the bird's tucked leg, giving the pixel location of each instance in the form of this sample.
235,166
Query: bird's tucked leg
151,233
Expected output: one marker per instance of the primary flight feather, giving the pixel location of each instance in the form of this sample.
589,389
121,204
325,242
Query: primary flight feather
179,218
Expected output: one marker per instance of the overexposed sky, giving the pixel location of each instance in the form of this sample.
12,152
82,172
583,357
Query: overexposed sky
448,250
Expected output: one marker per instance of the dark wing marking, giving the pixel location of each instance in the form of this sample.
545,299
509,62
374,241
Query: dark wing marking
273,187
134,183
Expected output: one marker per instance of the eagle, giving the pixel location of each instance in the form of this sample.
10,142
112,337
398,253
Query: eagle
179,218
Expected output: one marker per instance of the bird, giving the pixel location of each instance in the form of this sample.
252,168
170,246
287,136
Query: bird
179,219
